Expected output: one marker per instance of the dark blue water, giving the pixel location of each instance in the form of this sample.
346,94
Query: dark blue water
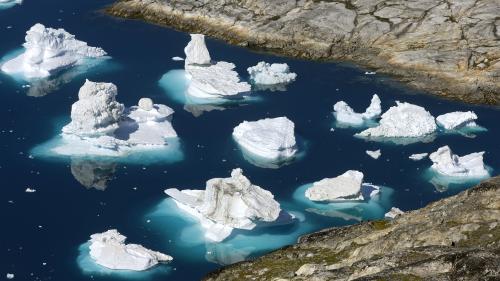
41,232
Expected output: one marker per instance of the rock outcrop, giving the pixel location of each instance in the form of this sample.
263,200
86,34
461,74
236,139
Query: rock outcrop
456,238
450,48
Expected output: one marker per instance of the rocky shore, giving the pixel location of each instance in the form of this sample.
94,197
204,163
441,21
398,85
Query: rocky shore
456,238
450,48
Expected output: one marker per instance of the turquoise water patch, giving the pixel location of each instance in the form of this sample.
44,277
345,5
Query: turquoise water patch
90,268
444,183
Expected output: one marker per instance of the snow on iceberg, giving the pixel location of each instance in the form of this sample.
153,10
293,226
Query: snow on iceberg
344,114
49,50
108,249
468,166
228,203
271,138
207,80
404,120
456,120
347,186
271,74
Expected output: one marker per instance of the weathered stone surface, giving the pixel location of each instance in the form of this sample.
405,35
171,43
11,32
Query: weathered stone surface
457,238
450,48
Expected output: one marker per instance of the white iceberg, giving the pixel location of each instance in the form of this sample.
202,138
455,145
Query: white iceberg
375,154
418,156
270,138
177,58
108,249
49,50
210,81
271,74
404,120
468,166
226,204
347,186
346,115
457,120
393,213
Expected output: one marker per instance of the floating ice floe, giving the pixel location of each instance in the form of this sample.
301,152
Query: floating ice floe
346,115
47,51
265,74
404,120
468,166
108,249
393,213
456,120
228,203
177,59
418,156
271,138
375,154
344,187
207,80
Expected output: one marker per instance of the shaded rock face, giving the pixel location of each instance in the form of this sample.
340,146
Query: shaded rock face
450,48
457,238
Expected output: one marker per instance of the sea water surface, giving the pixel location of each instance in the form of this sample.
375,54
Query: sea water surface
43,234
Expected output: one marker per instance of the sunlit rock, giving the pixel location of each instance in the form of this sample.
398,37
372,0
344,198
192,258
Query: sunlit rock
457,120
226,204
271,74
270,138
108,249
404,120
449,164
344,187
346,115
49,50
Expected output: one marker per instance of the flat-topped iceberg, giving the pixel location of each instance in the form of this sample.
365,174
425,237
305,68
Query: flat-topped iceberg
226,204
418,156
207,80
270,138
375,154
456,120
404,120
448,164
108,249
346,115
271,74
47,51
347,186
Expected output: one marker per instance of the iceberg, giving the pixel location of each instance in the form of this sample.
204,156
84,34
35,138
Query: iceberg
448,164
271,74
49,50
270,138
393,213
375,154
456,120
346,115
4,4
347,186
418,156
108,249
226,204
207,80
404,120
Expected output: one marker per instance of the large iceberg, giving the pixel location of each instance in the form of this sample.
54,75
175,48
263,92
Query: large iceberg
207,80
347,186
108,249
457,120
404,120
346,115
271,74
226,204
448,164
102,126
48,50
270,138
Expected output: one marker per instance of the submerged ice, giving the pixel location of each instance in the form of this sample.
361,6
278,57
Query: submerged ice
448,164
344,114
47,51
227,204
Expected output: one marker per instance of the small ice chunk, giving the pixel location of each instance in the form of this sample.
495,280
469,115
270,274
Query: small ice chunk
457,120
375,154
177,59
9,275
196,50
270,138
345,114
108,249
146,104
418,156
393,213
271,74
344,187
370,72
449,164
30,190
404,120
